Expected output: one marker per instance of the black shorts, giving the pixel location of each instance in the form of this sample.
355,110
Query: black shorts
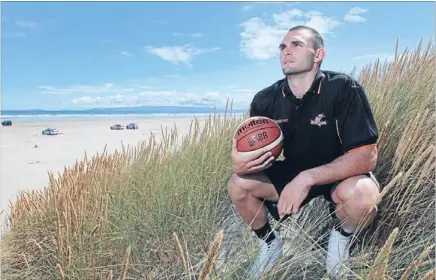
280,174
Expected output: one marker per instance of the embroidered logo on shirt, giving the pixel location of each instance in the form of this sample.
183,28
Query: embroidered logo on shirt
319,120
281,121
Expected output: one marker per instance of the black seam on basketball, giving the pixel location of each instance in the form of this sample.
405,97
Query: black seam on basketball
237,141
278,144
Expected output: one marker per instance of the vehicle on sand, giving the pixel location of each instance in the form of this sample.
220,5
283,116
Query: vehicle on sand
7,123
117,127
50,131
132,126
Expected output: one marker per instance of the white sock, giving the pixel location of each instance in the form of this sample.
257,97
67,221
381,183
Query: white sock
346,231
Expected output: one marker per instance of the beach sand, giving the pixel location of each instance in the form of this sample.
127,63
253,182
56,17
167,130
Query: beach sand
27,155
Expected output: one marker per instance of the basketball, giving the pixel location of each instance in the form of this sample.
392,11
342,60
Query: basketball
257,133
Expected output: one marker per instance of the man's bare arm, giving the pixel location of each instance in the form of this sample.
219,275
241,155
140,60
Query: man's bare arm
355,162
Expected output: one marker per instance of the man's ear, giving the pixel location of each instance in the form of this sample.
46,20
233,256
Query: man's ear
320,54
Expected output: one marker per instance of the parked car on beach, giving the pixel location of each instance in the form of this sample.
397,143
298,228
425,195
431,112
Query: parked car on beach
50,131
117,127
132,126
7,123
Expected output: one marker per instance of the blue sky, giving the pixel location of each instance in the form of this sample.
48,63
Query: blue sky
65,55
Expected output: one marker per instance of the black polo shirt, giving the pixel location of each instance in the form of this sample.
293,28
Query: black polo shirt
333,118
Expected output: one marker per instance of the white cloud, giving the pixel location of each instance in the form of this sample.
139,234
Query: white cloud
381,56
353,15
196,34
261,5
193,34
244,90
105,88
126,54
171,76
277,2
150,98
84,100
260,40
180,98
247,8
114,99
167,98
178,54
149,92
287,18
213,97
27,24
130,87
220,98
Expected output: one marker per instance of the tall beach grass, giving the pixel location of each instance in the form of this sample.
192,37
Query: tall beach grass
160,210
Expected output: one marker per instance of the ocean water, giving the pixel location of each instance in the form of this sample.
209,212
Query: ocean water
112,113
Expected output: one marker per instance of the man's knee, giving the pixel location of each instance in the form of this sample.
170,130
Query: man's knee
236,188
257,185
357,194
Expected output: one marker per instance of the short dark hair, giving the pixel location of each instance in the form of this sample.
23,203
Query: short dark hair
318,41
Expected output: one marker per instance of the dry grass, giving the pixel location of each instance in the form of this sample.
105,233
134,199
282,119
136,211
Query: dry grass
119,216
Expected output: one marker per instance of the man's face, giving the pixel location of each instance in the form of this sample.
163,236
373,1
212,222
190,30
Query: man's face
297,52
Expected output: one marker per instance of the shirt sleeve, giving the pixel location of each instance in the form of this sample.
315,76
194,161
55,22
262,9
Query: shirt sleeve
253,109
355,122
256,106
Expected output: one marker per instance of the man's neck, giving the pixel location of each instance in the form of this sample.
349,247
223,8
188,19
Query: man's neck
301,83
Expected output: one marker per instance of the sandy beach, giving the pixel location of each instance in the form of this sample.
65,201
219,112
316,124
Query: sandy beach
27,155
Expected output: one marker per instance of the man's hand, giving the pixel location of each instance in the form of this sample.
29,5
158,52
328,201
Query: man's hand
294,193
254,162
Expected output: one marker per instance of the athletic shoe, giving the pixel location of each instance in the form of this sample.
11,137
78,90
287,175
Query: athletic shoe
268,256
338,251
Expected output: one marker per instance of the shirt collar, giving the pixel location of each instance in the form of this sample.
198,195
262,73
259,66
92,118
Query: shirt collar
315,88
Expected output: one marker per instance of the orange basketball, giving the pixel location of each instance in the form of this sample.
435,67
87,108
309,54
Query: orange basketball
257,133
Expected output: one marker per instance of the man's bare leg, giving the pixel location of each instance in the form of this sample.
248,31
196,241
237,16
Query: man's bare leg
245,192
355,199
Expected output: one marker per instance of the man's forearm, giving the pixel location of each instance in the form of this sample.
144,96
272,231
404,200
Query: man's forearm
351,164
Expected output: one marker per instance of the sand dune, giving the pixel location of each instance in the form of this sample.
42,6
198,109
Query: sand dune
27,155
